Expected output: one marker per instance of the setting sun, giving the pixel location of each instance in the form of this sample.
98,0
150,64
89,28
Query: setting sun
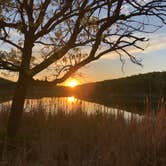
72,83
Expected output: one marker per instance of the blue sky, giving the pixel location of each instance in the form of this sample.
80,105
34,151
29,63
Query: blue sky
153,59
109,67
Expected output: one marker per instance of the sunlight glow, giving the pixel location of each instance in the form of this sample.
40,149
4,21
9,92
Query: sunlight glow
72,83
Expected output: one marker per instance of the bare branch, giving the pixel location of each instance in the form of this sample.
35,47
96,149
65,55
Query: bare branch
12,43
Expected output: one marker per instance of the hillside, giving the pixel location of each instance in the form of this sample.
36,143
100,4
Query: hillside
147,83
136,91
129,91
37,89
4,81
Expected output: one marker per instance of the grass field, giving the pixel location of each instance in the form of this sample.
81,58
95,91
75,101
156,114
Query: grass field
81,139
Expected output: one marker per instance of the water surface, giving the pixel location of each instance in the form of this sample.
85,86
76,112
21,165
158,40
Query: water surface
70,104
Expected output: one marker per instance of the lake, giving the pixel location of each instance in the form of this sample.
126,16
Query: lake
68,105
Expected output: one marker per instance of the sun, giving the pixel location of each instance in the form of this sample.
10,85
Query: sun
72,83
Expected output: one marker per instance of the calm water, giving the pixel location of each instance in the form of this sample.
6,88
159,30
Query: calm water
68,104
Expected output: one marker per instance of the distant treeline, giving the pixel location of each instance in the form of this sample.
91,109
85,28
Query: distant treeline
135,91
37,89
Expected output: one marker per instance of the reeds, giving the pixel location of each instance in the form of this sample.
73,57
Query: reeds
77,138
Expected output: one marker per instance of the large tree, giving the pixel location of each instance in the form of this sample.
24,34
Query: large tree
61,36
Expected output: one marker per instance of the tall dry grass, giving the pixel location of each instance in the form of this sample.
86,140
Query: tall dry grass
80,139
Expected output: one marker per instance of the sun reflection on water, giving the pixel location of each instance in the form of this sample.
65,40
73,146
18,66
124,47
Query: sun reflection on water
71,99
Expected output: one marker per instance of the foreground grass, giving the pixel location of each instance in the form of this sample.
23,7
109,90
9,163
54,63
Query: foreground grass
78,139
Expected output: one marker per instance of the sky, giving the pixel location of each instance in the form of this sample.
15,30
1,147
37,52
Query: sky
109,67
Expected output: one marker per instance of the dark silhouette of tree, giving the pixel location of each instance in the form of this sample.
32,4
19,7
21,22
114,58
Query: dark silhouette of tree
61,36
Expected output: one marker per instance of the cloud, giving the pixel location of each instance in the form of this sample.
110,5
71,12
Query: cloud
156,43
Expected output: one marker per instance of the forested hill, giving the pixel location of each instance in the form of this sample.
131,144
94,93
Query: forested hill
133,90
150,84
142,84
4,81
124,93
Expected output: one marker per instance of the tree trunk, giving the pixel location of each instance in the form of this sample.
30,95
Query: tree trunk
21,89
17,106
